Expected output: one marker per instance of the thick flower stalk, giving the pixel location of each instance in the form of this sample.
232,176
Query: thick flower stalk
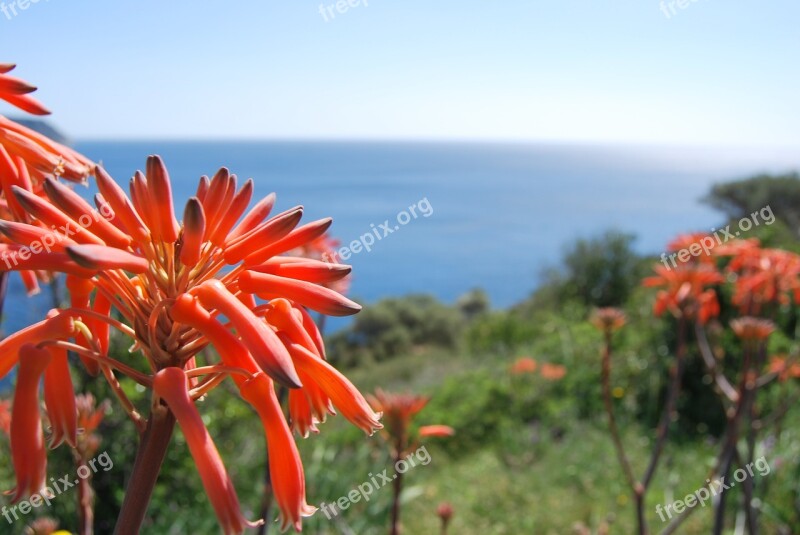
219,278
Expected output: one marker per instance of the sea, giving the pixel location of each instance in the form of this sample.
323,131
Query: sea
449,217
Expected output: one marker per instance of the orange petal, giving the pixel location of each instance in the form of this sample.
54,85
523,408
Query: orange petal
303,421
306,269
100,257
27,438
121,206
296,238
315,297
260,340
228,218
53,217
140,198
286,469
58,327
59,398
81,211
194,230
171,385
80,291
24,234
345,397
254,217
436,431
9,176
160,192
233,353
17,258
270,231
26,103
11,85
202,188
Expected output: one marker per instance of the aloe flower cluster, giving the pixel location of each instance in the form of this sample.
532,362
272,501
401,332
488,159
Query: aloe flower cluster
218,277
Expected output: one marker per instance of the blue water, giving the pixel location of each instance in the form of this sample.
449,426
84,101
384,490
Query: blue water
501,213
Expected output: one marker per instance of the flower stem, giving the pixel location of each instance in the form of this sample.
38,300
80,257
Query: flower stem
398,489
152,450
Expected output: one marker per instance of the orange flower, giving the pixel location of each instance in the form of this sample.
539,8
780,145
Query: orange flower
608,319
749,328
784,368
553,372
523,365
692,242
89,418
27,159
169,282
685,293
436,431
28,449
765,276
399,410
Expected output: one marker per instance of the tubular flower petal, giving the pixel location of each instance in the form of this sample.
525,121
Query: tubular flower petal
194,229
270,231
58,327
15,92
286,470
292,240
315,297
254,217
79,210
303,421
227,219
262,342
53,217
171,385
307,270
233,352
161,197
121,206
345,397
97,257
80,291
60,399
436,431
27,438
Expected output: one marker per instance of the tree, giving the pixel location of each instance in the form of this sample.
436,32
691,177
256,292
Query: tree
741,198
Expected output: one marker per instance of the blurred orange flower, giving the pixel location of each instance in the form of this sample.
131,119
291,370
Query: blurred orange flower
784,367
552,372
523,365
685,292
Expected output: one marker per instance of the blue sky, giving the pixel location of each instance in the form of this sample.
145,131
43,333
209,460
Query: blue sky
580,70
